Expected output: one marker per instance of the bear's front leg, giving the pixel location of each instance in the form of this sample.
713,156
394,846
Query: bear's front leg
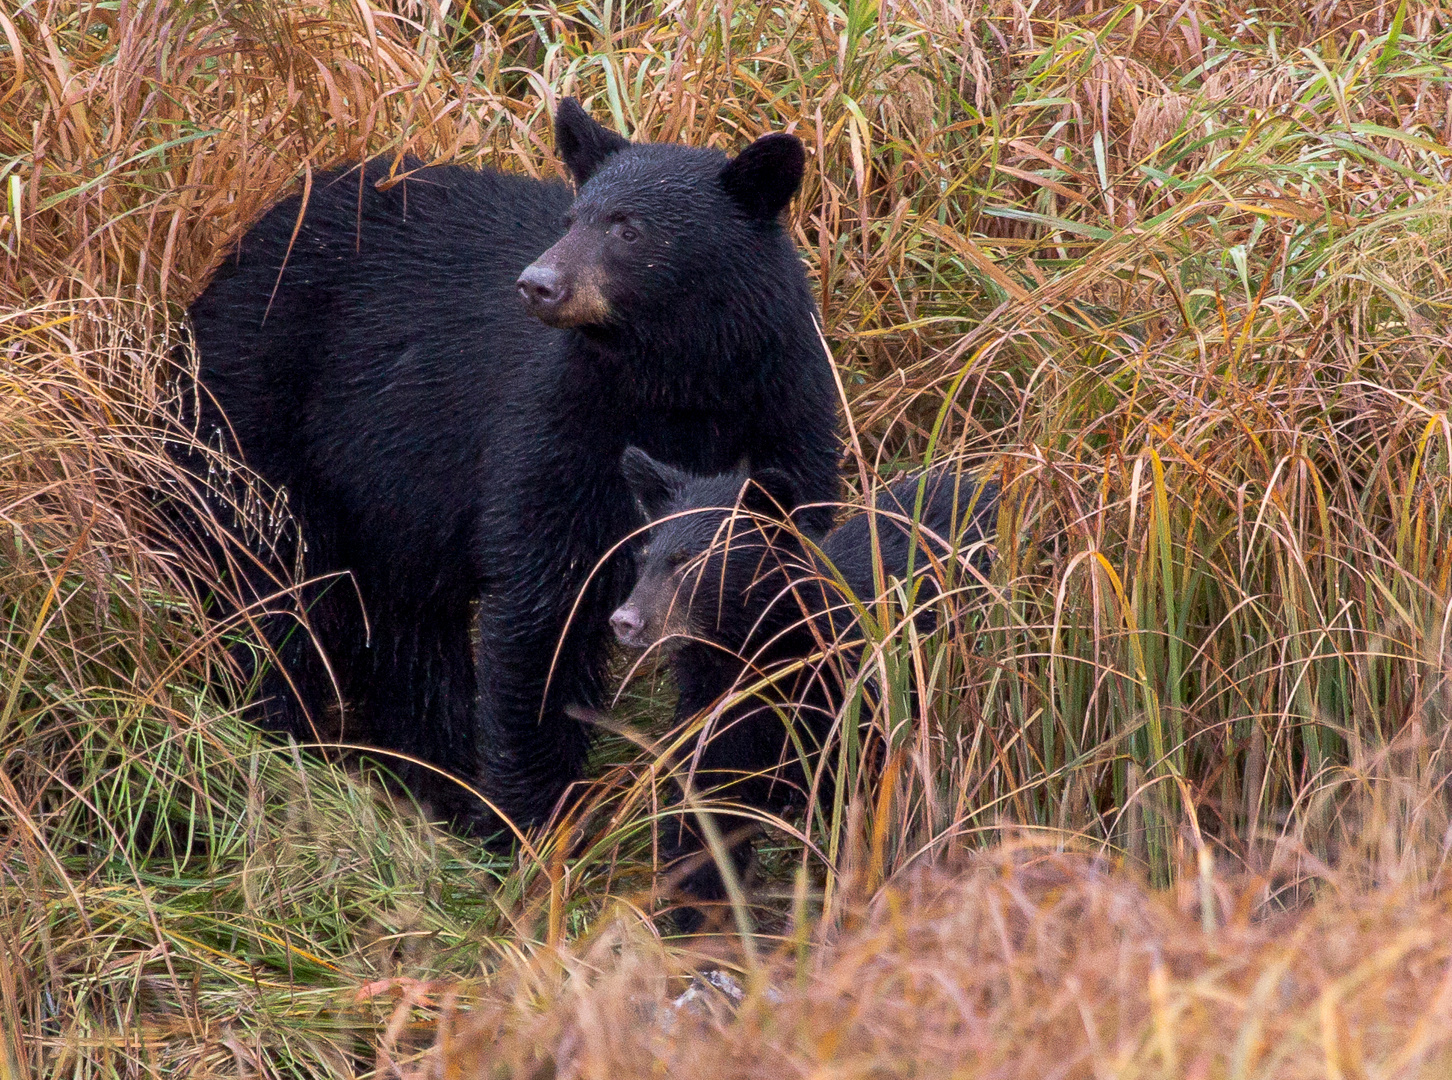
534,660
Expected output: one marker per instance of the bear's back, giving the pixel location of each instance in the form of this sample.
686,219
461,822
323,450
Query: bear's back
382,330
947,496
365,268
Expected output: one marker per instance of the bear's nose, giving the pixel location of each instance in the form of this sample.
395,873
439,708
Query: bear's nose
541,287
627,624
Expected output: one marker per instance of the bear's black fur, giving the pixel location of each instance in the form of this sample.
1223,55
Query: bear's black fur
731,594
461,460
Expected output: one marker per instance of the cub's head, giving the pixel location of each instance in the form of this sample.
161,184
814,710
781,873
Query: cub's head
656,225
717,556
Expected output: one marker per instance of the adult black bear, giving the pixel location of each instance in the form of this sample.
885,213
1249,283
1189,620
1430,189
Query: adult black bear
732,595
462,460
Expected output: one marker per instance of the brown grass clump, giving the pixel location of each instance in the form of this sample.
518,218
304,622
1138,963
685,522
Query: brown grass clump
141,139
1026,964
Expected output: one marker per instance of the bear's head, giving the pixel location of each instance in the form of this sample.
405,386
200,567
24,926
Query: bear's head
660,230
718,558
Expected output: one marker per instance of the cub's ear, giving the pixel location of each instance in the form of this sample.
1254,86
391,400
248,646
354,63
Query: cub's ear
582,144
764,177
769,493
653,483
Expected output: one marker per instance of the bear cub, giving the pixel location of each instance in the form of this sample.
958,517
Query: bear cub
730,592
442,367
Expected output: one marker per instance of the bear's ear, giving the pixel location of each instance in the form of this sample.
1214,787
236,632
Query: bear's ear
764,177
653,483
769,493
582,144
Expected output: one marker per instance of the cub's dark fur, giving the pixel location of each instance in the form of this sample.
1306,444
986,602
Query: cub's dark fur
731,593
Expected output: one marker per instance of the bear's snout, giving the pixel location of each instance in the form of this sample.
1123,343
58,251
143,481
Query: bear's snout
629,625
565,287
543,289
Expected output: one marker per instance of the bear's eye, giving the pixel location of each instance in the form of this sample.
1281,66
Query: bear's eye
677,559
625,231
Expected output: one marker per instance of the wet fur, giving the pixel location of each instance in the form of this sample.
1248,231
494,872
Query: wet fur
456,459
730,593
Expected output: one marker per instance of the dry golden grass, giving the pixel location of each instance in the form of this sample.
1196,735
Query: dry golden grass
1026,965
142,139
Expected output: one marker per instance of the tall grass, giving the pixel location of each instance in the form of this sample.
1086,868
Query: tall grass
1175,274
1026,965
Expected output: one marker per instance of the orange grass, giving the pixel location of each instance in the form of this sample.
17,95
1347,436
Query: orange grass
1023,965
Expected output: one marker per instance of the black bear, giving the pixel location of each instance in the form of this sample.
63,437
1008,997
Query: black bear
731,593
372,352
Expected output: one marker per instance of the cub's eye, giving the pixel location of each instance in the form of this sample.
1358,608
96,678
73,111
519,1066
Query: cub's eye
677,559
623,230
